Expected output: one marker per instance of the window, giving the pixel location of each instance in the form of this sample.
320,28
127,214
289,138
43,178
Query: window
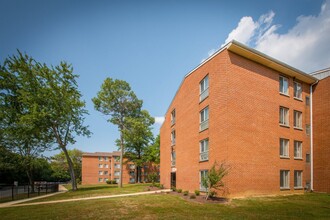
117,159
117,180
297,119
100,165
173,137
173,117
284,85
100,158
308,129
297,149
284,148
307,100
202,175
106,165
100,180
117,173
204,150
298,179
117,166
132,166
204,119
284,116
173,158
204,88
100,172
132,180
284,179
106,158
308,158
106,172
132,173
106,179
297,90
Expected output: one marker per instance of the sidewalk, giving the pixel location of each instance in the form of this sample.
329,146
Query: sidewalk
12,204
61,189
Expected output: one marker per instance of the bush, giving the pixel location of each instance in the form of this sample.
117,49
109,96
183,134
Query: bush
173,188
153,177
156,185
192,196
213,193
111,182
197,192
185,193
161,186
179,190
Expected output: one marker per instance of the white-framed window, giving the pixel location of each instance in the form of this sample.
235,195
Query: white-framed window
297,123
132,166
100,158
284,179
297,149
132,180
204,119
173,158
117,173
100,172
100,180
284,116
297,90
106,165
284,148
308,129
204,150
284,85
117,159
131,173
100,165
173,117
117,165
106,179
106,158
106,172
202,174
173,137
117,180
308,158
298,179
204,88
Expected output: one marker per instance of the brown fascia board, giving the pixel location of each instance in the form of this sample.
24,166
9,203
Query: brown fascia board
256,56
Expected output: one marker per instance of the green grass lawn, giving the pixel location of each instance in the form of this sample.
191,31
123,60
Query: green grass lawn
164,206
95,190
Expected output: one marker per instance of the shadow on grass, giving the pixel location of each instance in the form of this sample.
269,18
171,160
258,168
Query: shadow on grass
90,188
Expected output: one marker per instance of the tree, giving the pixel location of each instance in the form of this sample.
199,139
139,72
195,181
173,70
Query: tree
117,100
60,167
20,129
52,109
152,152
137,136
214,178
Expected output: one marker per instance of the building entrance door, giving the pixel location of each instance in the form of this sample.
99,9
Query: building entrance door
173,179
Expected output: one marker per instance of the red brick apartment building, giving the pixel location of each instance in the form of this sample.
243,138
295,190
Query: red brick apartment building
249,110
99,167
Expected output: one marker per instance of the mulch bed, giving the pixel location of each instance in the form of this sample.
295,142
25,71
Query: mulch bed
198,199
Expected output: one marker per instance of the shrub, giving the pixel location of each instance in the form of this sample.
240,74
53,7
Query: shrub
156,185
197,192
161,186
173,188
185,193
179,190
153,177
192,196
212,193
111,182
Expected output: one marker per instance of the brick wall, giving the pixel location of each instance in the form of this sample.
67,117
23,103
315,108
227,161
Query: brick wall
321,123
244,129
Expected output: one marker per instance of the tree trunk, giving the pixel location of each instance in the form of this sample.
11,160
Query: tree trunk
30,177
138,171
71,169
120,184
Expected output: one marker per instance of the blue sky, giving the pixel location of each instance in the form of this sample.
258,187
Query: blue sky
153,44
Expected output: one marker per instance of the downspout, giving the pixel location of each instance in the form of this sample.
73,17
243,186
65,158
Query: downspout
311,131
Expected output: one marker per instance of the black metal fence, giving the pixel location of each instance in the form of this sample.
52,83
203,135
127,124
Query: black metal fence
13,192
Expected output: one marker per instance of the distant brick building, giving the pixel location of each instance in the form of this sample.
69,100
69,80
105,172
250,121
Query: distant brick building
249,110
99,167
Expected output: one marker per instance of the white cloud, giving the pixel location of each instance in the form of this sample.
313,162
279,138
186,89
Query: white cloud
305,46
159,120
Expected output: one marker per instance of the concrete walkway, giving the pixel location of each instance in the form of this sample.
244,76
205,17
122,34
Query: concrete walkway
15,203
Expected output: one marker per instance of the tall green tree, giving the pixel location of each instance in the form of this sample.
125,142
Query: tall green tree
54,110
137,137
119,102
152,152
60,166
21,131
